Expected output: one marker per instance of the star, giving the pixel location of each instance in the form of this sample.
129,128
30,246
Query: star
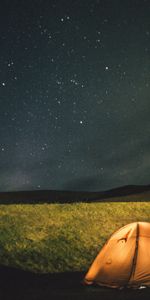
10,64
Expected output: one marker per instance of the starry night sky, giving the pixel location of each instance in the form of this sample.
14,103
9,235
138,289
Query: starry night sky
74,94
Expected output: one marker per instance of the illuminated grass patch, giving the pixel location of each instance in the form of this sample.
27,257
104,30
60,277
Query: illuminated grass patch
58,238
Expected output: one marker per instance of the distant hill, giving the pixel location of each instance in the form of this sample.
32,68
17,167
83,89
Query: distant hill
53,196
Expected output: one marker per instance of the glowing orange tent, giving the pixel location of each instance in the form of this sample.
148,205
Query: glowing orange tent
124,260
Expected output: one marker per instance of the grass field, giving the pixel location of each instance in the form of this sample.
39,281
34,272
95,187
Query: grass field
59,238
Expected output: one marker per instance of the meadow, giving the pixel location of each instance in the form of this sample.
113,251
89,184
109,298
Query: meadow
57,238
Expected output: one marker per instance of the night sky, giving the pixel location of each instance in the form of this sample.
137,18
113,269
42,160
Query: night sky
74,94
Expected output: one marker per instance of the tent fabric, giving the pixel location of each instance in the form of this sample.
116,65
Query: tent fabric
124,260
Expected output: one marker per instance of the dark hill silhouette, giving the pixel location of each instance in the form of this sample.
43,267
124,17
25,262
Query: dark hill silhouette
53,196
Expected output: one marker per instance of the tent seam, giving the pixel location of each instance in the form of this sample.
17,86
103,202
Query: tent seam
135,254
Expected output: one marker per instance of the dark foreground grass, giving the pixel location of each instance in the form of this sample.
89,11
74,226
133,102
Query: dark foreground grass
54,238
20,285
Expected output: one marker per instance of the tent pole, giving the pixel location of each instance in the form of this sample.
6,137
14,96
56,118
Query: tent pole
135,254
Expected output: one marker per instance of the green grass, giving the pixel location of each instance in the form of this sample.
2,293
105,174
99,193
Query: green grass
58,238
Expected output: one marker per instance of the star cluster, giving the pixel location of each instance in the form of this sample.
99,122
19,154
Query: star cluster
74,94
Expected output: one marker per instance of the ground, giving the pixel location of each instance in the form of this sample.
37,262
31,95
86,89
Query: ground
22,285
56,243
